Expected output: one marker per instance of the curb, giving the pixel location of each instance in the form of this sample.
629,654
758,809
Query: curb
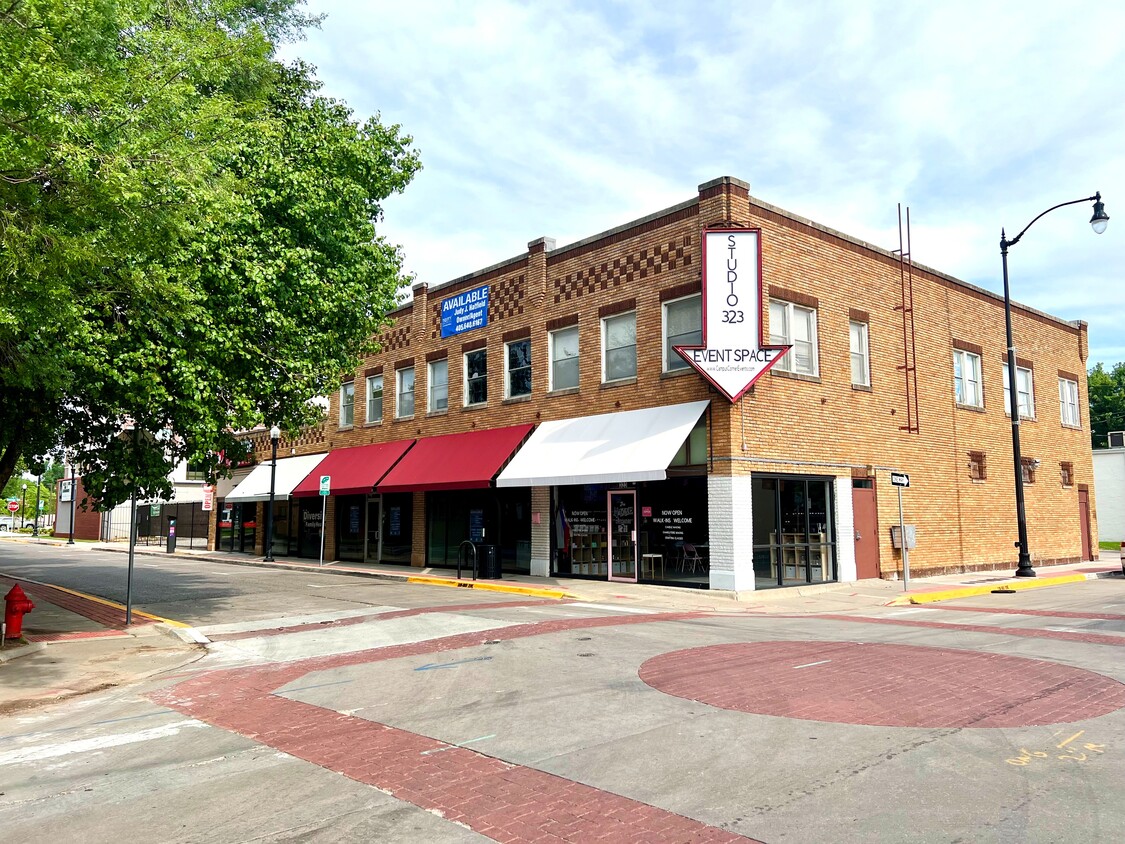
430,580
23,650
1002,585
105,602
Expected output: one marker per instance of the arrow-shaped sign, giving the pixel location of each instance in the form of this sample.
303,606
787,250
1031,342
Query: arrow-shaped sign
733,354
430,666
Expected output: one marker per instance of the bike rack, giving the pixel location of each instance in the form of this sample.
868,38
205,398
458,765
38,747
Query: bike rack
471,547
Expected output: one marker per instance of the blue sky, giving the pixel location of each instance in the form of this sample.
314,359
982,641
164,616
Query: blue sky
565,119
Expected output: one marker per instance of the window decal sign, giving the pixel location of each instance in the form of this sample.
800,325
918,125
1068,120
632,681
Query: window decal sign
733,354
465,311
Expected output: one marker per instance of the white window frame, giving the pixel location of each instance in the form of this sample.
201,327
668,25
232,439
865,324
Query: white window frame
508,371
632,315
347,404
552,338
483,377
438,387
1025,386
1068,403
784,335
963,361
374,389
400,393
857,331
672,361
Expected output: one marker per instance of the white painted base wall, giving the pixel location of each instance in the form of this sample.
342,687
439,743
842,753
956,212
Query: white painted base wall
1109,493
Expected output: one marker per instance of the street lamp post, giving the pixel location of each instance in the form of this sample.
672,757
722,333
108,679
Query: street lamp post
275,435
23,506
38,489
1098,222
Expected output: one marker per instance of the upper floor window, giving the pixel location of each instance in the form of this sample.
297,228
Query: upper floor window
1025,390
978,468
1066,471
619,342
404,392
861,361
683,326
793,325
439,386
517,368
1028,467
375,398
347,404
1068,402
476,377
197,470
564,358
694,450
966,378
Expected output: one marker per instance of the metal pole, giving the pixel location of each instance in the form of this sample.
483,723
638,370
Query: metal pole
323,513
132,550
23,506
1024,568
902,539
38,490
73,501
269,512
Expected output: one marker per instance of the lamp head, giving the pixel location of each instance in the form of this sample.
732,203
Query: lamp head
275,433
1100,219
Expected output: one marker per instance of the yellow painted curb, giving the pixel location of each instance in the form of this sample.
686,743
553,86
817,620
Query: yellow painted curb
969,591
491,587
107,603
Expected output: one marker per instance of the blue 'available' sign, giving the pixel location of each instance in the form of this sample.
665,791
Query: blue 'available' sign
465,311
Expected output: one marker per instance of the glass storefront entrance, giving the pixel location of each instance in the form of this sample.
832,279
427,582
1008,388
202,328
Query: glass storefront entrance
794,536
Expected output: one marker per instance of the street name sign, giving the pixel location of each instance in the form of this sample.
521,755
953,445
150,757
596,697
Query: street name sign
732,354
900,479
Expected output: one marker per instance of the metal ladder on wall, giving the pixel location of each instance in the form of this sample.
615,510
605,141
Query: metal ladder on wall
909,366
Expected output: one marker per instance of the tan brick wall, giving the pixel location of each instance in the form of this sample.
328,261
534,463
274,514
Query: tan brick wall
823,426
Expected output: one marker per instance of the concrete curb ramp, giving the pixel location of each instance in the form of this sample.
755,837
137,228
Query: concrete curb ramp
988,588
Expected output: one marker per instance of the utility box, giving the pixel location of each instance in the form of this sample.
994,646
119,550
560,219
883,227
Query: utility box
488,562
911,537
171,536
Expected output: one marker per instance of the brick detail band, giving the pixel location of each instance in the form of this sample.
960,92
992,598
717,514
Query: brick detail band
617,308
562,322
803,299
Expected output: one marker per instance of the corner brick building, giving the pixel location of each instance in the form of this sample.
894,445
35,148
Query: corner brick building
486,388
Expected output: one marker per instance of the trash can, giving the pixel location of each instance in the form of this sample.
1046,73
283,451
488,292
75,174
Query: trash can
488,562
171,536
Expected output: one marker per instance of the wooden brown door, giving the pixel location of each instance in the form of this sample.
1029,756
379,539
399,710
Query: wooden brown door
866,530
1084,523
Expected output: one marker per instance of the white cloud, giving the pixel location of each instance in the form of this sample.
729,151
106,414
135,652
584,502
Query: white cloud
563,121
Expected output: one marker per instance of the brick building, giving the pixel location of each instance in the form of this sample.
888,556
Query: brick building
538,405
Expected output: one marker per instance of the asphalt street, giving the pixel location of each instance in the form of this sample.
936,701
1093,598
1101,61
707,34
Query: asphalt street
330,708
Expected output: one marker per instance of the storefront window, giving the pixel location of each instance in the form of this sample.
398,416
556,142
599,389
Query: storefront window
308,527
793,535
398,527
349,527
500,517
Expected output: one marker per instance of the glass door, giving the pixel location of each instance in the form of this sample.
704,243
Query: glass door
373,542
622,506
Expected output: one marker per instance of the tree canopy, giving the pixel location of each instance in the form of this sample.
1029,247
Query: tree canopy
187,233
1107,402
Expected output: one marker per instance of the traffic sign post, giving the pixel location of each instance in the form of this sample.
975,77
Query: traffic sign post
900,480
325,488
13,506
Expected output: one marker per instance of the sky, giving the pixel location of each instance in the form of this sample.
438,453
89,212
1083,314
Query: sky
565,119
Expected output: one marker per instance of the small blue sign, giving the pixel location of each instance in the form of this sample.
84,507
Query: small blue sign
476,525
465,311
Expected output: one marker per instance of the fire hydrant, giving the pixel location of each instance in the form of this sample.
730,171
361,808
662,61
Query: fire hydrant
16,603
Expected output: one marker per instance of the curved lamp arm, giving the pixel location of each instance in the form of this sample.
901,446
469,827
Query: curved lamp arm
1098,210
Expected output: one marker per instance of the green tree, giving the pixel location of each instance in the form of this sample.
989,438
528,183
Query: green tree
187,237
1107,402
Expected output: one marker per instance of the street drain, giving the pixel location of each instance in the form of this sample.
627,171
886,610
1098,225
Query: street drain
587,654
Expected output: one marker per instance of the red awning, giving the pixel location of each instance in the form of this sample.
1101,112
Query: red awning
356,470
455,461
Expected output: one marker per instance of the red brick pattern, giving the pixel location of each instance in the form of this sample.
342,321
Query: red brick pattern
884,685
505,802
1103,616
112,616
627,269
1025,632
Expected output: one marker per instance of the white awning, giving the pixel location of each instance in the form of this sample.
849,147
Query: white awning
290,472
634,445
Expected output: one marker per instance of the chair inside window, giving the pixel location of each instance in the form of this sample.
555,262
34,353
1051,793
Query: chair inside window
692,560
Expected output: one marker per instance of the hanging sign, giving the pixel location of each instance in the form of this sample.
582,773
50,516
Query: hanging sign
732,354
208,497
465,311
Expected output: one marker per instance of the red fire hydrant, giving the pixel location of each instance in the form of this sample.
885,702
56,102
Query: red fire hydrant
16,603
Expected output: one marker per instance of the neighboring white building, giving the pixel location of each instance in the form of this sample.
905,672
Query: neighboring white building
1109,492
